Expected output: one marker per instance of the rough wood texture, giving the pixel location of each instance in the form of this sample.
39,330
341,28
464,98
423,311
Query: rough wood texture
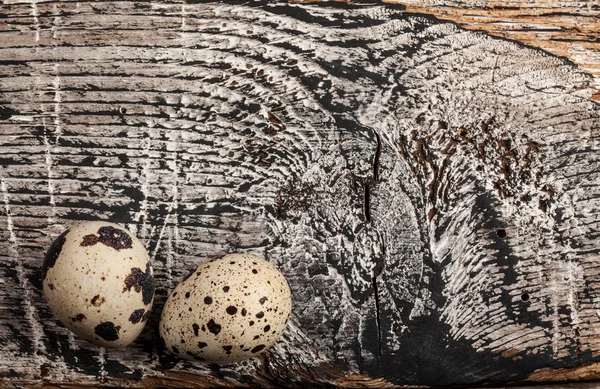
430,193
568,28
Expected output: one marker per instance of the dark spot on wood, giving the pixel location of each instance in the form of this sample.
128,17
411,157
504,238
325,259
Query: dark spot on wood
213,327
53,253
231,310
79,317
244,312
115,238
6,113
141,282
262,300
543,205
89,240
226,289
251,322
260,314
196,328
227,349
51,286
267,328
501,233
44,370
258,348
107,331
187,295
431,213
122,110
175,349
525,297
174,294
208,300
97,300
256,337
137,315
202,344
203,328
254,271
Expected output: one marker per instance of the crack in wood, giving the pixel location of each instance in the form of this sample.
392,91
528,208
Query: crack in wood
377,318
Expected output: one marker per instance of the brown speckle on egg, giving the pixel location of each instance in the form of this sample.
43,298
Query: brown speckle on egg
89,240
79,317
141,281
231,310
114,237
257,348
97,300
213,327
108,331
53,253
136,316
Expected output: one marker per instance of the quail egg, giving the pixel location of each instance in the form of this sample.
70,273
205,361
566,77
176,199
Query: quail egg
228,310
98,282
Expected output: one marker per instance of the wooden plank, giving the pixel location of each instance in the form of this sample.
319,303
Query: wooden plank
429,192
567,28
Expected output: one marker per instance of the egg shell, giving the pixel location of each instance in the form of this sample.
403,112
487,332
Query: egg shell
98,281
228,310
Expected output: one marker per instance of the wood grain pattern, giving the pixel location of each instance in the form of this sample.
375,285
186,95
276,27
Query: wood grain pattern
567,28
429,192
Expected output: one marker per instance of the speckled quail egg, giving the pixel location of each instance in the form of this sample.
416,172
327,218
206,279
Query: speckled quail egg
228,310
98,282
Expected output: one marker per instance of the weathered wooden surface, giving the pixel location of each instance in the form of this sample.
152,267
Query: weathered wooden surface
568,28
430,193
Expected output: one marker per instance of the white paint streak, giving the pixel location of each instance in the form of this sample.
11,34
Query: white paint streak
49,171
36,332
36,22
102,374
57,101
145,186
9,219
